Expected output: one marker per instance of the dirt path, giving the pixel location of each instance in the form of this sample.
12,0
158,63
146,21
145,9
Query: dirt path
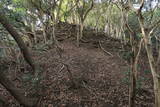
101,77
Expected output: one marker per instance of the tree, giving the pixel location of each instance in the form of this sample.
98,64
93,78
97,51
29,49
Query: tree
147,33
135,44
18,94
4,21
82,10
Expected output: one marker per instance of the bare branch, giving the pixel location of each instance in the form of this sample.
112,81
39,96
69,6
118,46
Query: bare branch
155,25
104,49
90,8
141,6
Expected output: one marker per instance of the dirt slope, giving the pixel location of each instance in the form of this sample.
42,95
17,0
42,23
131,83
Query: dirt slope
102,78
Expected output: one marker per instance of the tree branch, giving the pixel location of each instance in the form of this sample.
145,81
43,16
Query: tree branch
90,8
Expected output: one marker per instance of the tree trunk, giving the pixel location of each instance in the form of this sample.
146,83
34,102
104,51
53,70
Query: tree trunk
44,35
81,29
133,77
78,36
3,101
132,92
136,48
54,39
148,47
156,78
18,94
34,33
27,56
44,29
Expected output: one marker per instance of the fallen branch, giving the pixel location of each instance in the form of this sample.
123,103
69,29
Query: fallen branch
84,41
104,49
61,68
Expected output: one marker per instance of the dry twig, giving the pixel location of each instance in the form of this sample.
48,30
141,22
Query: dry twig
104,49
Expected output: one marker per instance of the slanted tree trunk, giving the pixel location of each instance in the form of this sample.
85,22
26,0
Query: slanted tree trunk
3,101
27,56
156,78
136,48
18,94
148,46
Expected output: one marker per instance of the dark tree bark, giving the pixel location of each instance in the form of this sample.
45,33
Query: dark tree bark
3,101
4,21
17,93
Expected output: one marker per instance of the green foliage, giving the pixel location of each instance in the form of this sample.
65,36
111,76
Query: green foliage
151,16
133,22
98,14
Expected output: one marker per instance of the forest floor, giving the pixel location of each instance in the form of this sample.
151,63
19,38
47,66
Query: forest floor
85,76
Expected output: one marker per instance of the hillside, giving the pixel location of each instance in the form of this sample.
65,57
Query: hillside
92,75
